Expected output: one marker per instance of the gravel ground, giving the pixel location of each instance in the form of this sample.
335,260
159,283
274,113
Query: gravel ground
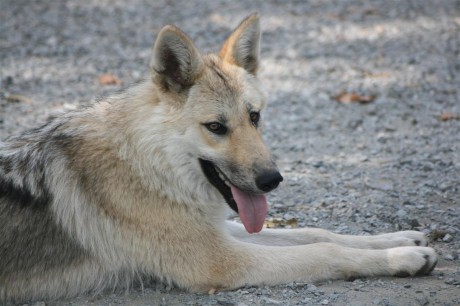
362,168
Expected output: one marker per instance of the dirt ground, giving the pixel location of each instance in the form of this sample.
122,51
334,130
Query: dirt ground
363,117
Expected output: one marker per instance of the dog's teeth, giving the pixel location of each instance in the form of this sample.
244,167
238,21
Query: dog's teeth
222,177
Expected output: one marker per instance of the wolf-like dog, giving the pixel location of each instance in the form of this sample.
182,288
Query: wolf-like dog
141,184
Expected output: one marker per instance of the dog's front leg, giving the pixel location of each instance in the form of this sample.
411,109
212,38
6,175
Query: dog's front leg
258,264
279,237
287,237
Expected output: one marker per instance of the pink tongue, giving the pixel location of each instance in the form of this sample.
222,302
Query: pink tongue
251,208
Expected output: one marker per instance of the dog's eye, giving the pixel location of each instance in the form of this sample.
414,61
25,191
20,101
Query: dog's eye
254,116
216,128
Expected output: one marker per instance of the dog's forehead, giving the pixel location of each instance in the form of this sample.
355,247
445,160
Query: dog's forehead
231,86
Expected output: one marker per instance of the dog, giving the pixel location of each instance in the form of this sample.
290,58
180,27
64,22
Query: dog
140,184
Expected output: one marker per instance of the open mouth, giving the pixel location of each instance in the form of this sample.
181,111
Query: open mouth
218,180
252,208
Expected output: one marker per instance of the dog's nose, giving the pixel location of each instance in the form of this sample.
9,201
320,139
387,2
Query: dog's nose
268,180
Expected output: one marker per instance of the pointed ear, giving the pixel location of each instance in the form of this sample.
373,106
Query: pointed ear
242,47
175,60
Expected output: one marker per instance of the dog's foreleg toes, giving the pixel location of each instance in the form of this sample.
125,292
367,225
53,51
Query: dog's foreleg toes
427,267
412,261
424,270
421,242
404,238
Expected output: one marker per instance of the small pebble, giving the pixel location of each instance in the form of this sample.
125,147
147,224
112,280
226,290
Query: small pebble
422,300
270,301
401,213
452,281
226,302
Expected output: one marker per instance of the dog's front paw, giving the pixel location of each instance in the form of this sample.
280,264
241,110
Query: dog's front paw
411,261
404,238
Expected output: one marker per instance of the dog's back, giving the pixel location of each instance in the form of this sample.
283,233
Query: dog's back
31,240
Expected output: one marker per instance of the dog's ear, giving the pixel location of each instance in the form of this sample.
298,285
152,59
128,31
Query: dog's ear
242,47
176,62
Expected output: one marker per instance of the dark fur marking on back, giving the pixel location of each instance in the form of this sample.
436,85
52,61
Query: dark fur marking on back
6,164
22,196
63,141
30,163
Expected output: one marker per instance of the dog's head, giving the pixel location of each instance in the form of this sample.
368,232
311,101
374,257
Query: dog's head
220,105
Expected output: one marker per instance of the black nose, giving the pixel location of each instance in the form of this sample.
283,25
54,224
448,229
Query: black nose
268,180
